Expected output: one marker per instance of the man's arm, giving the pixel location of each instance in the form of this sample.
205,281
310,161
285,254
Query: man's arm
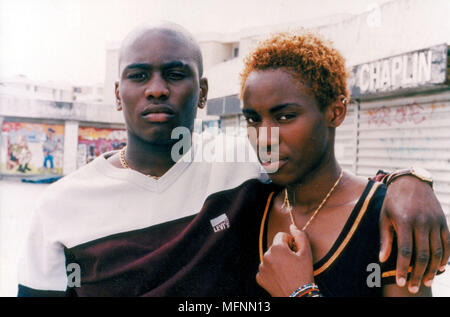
42,268
412,211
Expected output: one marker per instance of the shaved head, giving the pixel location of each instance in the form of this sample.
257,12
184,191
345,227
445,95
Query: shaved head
170,30
159,66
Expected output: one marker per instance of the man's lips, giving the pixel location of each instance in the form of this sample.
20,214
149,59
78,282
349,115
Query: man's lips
158,113
158,117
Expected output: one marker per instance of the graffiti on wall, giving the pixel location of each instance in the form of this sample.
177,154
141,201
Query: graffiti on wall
413,113
32,148
93,142
414,132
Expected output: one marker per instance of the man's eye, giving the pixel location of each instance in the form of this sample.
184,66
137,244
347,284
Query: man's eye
175,75
137,76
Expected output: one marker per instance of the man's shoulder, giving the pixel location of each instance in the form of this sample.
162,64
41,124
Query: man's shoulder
67,186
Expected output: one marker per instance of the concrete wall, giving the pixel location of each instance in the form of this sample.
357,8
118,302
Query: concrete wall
30,89
70,146
396,27
15,106
215,52
111,74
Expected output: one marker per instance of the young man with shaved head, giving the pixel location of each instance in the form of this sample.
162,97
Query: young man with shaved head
128,224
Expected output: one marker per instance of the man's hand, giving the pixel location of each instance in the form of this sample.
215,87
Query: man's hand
279,272
412,210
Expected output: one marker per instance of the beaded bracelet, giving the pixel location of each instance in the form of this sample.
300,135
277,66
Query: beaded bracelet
307,290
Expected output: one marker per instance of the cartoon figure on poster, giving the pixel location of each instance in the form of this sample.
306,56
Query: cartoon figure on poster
19,155
93,142
49,148
31,148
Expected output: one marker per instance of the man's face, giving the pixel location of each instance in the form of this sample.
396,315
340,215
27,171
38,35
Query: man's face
159,86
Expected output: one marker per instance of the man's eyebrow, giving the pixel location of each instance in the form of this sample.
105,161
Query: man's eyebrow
168,65
175,64
138,65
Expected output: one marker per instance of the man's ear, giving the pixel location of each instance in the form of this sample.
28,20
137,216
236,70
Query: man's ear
203,93
336,111
118,99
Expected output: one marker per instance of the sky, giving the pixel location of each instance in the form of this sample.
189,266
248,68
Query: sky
66,40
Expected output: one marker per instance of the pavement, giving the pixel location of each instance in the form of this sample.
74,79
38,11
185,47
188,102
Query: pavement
17,201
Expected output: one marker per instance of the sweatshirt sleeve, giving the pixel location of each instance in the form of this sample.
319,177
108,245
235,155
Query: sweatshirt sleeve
42,266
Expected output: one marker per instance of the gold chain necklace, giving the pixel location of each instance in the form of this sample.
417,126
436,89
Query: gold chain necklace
125,164
289,208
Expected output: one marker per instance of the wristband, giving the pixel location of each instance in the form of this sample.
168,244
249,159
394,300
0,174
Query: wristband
307,290
418,172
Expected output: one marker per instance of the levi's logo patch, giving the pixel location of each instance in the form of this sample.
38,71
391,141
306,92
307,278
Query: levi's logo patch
220,223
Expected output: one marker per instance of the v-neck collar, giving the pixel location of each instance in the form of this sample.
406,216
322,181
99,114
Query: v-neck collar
156,185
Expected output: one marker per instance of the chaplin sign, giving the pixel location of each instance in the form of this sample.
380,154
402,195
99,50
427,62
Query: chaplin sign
425,67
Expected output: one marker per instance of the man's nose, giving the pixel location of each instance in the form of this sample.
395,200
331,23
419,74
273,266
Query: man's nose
156,88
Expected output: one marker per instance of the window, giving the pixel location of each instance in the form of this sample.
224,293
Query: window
235,52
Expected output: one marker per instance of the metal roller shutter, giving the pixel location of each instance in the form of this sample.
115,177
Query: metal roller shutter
346,140
400,132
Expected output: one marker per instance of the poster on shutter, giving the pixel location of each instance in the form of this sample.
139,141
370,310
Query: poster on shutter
93,142
31,148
